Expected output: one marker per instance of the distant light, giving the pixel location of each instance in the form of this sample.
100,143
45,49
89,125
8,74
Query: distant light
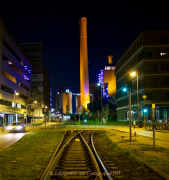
145,110
124,89
133,73
9,62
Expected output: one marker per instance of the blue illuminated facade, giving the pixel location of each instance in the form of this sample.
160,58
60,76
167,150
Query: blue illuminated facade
15,77
105,94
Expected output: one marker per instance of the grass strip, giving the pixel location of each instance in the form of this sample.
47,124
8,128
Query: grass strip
24,159
157,157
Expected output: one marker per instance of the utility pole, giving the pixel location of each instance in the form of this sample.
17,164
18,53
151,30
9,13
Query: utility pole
130,114
36,114
98,115
138,100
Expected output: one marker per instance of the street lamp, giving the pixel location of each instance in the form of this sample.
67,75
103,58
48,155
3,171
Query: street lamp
35,102
101,94
92,103
145,110
79,114
128,89
134,74
15,94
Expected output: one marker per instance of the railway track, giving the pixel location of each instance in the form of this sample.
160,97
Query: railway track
74,160
78,158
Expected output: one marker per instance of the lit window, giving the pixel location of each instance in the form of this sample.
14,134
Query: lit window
19,106
9,62
163,54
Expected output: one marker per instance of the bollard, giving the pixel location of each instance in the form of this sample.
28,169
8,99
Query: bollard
134,128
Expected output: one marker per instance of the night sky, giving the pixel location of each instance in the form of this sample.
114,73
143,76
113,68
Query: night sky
112,27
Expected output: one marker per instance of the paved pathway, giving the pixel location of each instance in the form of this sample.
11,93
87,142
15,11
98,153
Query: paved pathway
7,139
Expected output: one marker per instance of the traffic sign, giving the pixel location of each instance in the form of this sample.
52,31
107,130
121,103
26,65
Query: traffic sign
153,105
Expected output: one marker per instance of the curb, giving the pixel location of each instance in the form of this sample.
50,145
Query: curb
154,168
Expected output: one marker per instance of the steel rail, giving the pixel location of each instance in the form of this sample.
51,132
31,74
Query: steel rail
54,161
93,159
100,161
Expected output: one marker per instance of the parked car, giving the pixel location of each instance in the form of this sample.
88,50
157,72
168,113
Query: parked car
16,127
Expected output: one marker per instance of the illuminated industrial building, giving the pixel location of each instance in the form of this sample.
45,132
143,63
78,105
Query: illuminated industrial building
107,78
84,76
15,77
64,100
148,56
110,77
78,108
34,52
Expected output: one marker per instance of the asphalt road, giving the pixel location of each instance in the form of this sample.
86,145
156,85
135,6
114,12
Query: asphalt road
7,139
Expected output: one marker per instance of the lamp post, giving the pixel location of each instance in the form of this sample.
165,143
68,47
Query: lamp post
79,114
129,88
45,117
15,94
92,103
130,113
101,98
145,110
26,109
136,74
82,109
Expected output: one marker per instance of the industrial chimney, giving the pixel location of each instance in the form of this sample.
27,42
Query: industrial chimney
110,59
84,75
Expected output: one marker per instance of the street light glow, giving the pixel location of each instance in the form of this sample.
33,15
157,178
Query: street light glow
124,89
17,93
133,73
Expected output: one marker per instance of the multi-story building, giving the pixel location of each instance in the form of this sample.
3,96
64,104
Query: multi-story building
148,56
110,77
15,78
47,88
64,100
34,52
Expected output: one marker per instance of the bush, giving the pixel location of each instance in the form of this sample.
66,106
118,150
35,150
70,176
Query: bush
112,117
37,124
